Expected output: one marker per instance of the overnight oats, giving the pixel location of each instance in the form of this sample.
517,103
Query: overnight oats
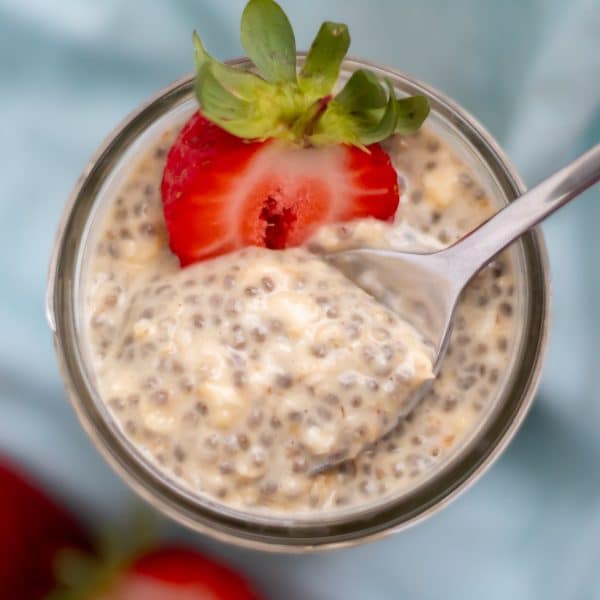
234,373
219,360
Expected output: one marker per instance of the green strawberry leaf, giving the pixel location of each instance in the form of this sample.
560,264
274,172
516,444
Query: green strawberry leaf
336,126
268,39
371,132
322,66
75,569
215,101
411,113
362,91
360,128
201,56
237,116
243,84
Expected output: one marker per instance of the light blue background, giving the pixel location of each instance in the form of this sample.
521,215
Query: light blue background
529,70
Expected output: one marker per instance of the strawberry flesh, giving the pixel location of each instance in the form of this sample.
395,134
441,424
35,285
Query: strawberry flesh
278,222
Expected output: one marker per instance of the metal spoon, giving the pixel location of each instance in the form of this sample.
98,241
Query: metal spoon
424,288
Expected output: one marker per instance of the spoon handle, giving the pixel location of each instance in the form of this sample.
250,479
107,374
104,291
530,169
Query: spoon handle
477,248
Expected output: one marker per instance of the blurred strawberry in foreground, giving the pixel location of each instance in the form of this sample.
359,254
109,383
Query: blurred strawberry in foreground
176,574
166,573
128,565
34,530
45,554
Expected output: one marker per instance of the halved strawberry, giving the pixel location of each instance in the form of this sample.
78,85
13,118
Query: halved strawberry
272,156
222,193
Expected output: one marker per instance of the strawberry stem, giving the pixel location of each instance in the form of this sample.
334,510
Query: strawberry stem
320,107
305,126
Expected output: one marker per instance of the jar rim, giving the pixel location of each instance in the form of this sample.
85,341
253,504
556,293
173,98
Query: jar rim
410,508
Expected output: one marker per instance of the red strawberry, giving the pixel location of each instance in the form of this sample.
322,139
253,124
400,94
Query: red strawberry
177,574
222,193
33,529
275,154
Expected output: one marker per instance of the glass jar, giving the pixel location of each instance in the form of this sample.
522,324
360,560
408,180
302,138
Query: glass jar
64,301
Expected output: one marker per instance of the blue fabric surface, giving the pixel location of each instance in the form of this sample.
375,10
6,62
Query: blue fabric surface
529,70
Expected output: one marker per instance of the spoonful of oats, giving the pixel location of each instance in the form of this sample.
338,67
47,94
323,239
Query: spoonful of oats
425,287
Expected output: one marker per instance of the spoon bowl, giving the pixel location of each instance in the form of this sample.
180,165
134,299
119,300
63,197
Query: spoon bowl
418,287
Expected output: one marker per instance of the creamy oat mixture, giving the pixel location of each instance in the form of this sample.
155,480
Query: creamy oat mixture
236,374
